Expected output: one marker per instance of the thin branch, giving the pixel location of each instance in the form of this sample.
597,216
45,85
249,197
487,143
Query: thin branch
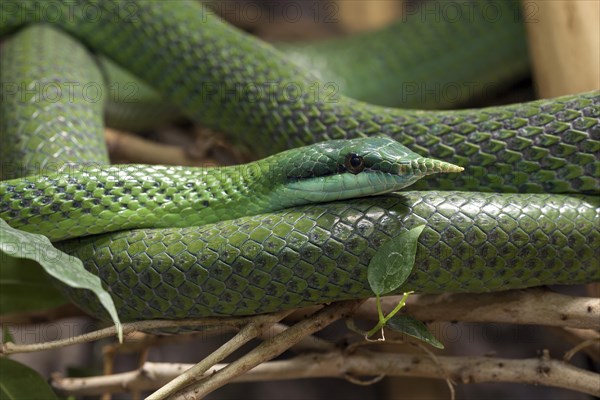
580,347
128,328
250,331
132,148
579,336
531,306
443,374
108,361
150,377
271,348
535,371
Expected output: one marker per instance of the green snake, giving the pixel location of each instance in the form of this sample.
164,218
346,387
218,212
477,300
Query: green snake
527,212
94,200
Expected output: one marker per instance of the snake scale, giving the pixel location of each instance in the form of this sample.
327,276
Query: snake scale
525,212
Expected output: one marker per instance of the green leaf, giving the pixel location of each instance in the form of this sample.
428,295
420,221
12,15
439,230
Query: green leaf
65,268
25,287
413,327
18,381
393,262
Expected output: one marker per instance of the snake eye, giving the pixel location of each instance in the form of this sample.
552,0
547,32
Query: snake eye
354,163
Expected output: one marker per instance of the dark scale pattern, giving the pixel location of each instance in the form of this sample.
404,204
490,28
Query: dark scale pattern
51,109
84,201
548,146
231,81
320,253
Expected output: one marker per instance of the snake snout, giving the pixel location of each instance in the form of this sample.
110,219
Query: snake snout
428,166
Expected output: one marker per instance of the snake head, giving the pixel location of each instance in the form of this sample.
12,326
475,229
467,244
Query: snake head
343,169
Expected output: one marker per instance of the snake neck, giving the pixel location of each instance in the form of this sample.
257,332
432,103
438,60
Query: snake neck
133,196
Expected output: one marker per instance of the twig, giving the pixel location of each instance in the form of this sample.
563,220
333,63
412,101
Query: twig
443,374
250,331
137,341
108,358
581,346
532,306
535,371
124,146
579,336
270,349
128,328
150,377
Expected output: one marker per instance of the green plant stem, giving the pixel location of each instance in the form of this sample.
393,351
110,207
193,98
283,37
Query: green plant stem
384,319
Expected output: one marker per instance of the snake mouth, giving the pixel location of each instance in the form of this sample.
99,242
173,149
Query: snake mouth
370,182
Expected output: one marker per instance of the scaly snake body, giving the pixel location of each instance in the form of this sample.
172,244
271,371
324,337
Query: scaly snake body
542,156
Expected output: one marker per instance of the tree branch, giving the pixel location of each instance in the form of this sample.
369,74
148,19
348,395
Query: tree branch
531,306
128,328
535,371
579,338
250,331
269,349
132,148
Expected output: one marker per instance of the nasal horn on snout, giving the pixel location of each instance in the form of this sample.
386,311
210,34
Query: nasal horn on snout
423,166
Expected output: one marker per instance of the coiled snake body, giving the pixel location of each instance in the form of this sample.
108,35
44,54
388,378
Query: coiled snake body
527,212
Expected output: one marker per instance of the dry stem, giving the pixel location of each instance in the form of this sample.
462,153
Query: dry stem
531,306
271,348
536,371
